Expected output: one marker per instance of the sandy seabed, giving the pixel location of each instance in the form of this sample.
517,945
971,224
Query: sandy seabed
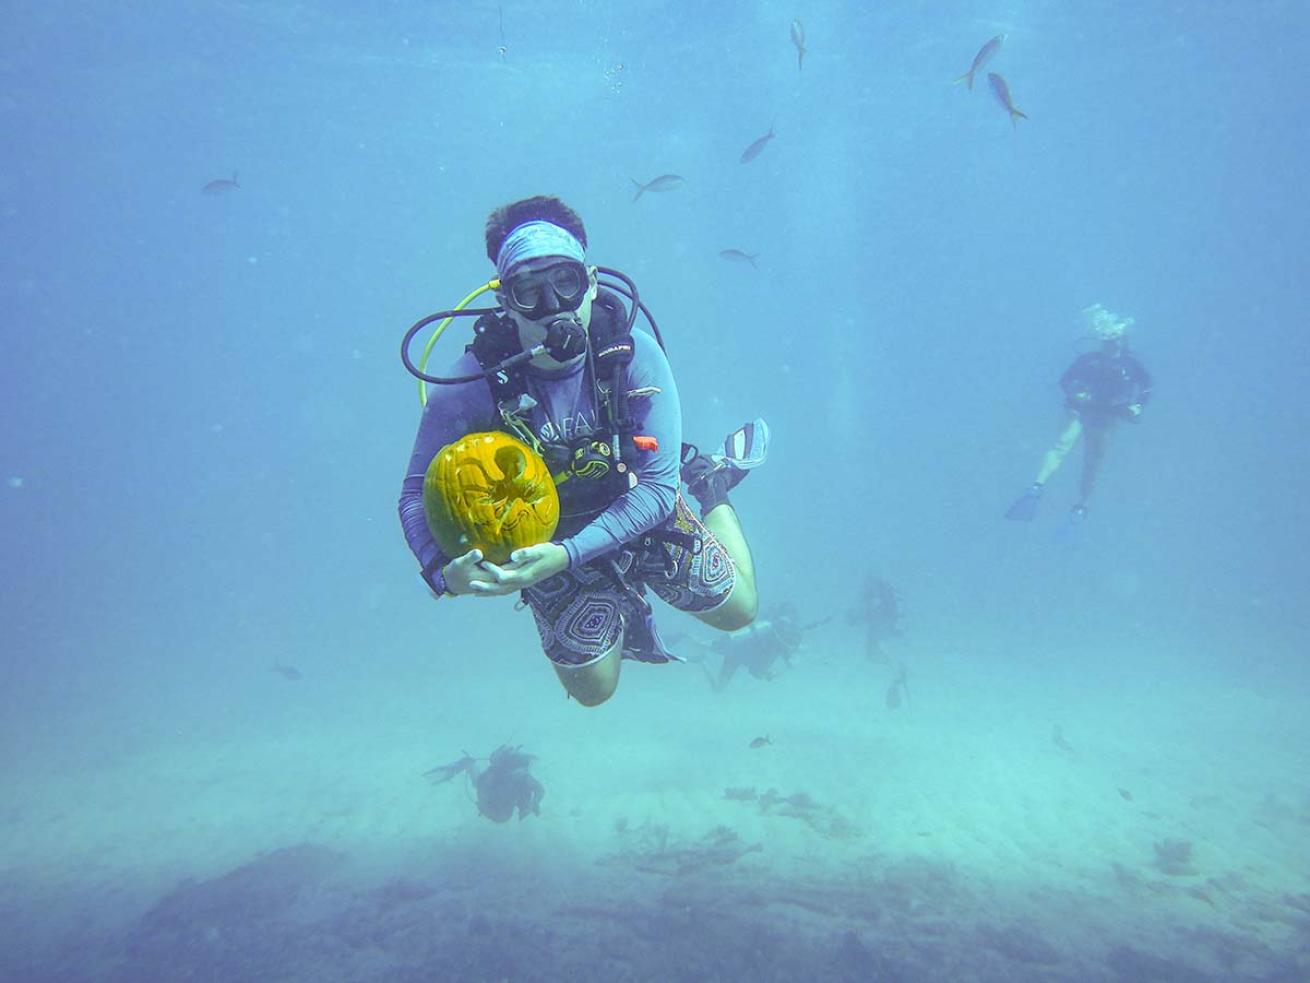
1048,830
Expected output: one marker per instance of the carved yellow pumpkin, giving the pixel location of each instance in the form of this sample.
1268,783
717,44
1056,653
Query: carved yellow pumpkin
489,491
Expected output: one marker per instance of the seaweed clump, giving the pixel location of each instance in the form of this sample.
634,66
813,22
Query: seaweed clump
1174,857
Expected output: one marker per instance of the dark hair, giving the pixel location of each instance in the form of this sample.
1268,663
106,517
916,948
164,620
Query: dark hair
507,218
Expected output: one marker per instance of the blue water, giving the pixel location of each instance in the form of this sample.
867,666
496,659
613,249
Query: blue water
206,425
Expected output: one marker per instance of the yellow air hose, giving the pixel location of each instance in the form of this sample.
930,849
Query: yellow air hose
492,284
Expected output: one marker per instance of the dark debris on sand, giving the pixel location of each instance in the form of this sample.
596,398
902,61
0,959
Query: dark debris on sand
651,849
470,913
827,821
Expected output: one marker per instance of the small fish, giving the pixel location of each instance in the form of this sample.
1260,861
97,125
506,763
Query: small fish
760,742
1126,795
287,672
898,690
1002,91
798,39
737,256
665,182
221,186
753,151
983,56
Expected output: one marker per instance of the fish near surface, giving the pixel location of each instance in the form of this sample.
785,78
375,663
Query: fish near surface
753,151
798,39
984,55
665,182
221,186
737,256
1001,89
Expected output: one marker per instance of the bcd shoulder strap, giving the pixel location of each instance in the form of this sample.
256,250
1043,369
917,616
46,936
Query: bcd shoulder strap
612,348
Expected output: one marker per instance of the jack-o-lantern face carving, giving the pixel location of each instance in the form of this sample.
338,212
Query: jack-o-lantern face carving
489,491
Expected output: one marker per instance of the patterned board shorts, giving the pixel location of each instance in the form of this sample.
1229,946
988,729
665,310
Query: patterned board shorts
581,613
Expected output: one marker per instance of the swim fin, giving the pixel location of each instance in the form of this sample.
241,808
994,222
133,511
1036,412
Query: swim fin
1068,532
1025,506
709,477
747,447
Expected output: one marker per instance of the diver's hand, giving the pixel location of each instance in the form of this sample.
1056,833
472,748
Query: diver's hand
466,574
526,567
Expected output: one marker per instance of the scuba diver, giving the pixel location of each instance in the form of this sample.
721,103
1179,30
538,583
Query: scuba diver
764,649
558,365
878,608
1100,387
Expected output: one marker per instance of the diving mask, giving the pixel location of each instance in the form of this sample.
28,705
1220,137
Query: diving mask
553,289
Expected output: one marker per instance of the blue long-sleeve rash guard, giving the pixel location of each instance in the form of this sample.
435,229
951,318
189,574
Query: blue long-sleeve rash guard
566,408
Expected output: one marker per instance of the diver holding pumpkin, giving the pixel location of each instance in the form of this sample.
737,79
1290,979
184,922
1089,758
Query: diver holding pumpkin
550,463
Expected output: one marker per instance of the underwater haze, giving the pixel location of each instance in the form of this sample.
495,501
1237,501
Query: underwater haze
1072,749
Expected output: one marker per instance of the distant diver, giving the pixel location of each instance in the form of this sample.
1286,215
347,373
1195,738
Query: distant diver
878,609
1100,388
503,787
898,690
